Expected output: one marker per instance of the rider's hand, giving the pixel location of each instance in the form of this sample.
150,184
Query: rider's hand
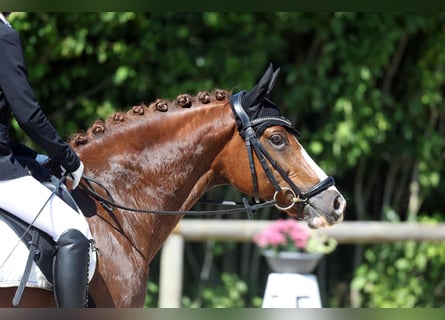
75,175
41,158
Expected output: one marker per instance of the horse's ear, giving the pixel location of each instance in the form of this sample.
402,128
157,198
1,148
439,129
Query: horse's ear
255,97
273,81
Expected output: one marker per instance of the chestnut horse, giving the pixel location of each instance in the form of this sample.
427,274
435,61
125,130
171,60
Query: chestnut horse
149,159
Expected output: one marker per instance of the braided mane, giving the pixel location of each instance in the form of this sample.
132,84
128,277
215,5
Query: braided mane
118,119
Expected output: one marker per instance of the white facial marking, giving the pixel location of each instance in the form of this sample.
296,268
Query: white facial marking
320,173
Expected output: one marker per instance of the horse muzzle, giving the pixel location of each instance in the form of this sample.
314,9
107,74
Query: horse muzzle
324,209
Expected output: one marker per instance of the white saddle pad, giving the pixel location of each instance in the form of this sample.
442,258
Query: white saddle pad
11,269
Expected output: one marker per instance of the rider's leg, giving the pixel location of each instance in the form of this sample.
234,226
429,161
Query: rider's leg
24,197
70,270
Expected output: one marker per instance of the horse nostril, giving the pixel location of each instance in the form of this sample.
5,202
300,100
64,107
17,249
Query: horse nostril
339,204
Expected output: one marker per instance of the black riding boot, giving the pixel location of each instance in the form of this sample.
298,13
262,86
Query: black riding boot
70,270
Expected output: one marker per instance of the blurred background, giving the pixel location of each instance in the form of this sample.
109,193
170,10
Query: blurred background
365,90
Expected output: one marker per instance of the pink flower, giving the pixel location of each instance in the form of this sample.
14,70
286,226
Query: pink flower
283,235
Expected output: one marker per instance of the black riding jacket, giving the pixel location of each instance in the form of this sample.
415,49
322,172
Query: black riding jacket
17,98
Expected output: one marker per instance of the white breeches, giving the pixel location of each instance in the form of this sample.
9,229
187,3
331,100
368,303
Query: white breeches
25,196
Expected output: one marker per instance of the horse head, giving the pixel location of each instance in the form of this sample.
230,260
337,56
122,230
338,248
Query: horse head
280,167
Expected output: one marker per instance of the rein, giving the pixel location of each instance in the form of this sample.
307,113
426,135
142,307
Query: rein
109,204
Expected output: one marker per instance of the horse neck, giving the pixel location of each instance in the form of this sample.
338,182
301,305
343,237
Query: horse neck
162,162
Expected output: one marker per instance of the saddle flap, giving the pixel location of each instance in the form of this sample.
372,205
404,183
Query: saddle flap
45,244
14,252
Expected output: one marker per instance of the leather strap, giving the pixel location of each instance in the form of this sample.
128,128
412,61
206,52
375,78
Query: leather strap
33,250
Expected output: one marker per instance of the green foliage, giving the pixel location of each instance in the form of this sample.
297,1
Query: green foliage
151,299
402,275
230,294
321,243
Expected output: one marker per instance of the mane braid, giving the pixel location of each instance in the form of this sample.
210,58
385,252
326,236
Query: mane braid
117,119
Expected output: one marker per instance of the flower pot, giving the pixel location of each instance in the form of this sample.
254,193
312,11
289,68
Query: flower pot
292,262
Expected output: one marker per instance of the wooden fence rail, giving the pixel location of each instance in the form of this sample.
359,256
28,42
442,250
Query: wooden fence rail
348,232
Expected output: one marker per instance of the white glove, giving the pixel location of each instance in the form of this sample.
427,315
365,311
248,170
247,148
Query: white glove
41,158
76,175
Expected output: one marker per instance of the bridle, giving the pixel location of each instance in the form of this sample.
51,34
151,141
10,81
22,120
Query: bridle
253,146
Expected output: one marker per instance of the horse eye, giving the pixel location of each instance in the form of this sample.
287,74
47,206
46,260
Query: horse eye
277,139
